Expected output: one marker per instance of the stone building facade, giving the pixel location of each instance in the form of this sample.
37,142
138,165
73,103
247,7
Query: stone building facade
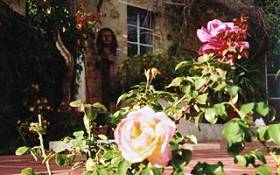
122,16
125,18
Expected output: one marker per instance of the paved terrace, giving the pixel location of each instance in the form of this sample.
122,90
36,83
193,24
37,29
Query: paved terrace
208,152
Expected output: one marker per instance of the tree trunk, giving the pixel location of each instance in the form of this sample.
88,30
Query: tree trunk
69,75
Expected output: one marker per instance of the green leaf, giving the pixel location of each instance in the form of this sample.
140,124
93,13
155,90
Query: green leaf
199,82
90,112
232,90
100,107
186,89
38,129
208,169
192,139
76,103
79,134
181,158
204,57
123,166
210,115
274,133
259,155
116,160
201,99
262,133
176,82
240,160
146,171
231,132
183,64
263,170
102,171
61,159
262,108
108,155
27,171
22,150
220,109
78,142
157,171
246,109
235,148
123,97
220,86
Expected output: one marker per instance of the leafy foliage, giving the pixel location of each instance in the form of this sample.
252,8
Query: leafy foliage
132,71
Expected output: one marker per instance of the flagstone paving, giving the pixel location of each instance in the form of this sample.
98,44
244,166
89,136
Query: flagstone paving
11,165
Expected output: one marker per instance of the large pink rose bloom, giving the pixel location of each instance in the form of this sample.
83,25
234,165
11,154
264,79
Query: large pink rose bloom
214,28
224,39
145,134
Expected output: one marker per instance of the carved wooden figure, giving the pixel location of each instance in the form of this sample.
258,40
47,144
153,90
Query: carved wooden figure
106,44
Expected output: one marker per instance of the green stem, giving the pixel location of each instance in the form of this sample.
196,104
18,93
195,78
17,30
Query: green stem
147,87
180,100
42,146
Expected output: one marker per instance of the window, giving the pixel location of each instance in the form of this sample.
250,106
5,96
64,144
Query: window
139,31
273,82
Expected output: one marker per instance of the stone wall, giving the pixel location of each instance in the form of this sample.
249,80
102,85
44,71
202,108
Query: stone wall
116,19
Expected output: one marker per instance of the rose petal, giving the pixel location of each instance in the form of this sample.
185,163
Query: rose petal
160,158
203,35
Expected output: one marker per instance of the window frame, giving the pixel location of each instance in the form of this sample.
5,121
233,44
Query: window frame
267,75
140,28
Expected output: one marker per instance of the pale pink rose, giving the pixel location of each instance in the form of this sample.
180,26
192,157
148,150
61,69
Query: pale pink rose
145,134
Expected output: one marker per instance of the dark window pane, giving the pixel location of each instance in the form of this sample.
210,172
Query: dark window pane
146,37
145,19
275,103
132,33
144,49
273,64
131,15
131,49
273,86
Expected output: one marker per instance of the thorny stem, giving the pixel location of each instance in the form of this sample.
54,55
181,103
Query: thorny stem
42,146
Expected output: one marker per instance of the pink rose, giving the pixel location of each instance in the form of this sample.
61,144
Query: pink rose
214,28
225,39
145,134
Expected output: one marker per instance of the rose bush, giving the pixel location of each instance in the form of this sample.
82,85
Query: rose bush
148,141
145,134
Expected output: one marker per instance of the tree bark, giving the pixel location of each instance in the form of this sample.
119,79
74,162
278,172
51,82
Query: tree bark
69,74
